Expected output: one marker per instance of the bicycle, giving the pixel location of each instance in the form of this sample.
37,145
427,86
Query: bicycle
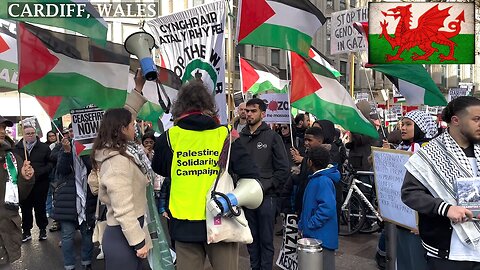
358,213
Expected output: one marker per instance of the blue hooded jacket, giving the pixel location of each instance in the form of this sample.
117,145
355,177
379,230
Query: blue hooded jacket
319,216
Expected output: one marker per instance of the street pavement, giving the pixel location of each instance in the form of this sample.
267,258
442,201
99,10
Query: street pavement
355,252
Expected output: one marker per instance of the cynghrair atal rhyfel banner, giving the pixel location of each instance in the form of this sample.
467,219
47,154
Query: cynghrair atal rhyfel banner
191,44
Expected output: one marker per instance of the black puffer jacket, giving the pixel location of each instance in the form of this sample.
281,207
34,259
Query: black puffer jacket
65,202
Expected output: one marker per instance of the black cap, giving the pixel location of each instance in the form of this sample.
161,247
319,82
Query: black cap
5,121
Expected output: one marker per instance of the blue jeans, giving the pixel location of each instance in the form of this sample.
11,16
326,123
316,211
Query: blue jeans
68,235
49,202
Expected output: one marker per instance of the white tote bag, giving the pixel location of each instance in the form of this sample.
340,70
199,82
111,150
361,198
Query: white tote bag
222,228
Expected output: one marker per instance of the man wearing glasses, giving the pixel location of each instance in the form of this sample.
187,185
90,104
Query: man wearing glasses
38,154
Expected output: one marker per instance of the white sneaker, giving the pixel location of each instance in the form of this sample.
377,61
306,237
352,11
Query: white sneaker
100,255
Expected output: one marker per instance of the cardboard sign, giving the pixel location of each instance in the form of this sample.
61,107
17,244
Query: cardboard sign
287,258
344,37
389,169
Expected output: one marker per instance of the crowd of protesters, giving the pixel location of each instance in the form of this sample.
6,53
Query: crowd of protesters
299,166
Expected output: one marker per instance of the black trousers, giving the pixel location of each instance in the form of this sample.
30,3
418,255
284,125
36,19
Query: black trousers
443,264
36,200
261,222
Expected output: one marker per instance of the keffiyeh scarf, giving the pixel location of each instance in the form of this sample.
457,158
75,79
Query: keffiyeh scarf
136,152
436,166
424,121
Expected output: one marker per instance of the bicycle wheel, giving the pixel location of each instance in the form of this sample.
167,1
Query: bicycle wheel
352,217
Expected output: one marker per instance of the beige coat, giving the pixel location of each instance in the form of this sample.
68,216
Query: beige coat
122,188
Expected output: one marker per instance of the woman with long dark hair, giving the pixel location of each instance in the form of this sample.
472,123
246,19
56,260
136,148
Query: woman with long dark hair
123,172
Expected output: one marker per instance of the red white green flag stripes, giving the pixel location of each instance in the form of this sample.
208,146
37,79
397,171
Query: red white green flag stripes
258,78
56,64
321,59
316,90
284,24
413,82
91,24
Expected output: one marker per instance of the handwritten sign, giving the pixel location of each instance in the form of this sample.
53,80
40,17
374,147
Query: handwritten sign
287,258
345,38
390,171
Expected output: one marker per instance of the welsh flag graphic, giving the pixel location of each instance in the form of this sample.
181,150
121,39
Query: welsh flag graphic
258,78
56,64
421,33
284,24
315,89
91,24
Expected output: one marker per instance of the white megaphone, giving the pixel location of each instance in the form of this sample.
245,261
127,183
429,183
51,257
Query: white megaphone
141,45
248,193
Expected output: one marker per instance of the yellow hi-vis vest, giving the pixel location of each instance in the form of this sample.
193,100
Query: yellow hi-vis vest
194,169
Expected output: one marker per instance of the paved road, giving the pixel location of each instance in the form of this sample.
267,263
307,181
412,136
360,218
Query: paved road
355,252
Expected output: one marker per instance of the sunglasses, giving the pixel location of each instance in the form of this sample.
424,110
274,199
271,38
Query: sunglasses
283,127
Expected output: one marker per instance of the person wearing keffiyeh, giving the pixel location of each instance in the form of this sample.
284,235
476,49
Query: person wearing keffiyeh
450,234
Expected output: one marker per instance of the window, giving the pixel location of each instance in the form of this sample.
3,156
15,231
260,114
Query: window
353,3
329,29
343,5
343,71
330,4
275,58
239,50
198,2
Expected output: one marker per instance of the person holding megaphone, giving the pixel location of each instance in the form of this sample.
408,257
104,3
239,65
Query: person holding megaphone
188,153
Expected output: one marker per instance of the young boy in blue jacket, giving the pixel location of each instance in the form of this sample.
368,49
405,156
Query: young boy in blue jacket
319,216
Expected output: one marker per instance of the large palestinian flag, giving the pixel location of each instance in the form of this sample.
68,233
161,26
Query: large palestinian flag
8,60
316,90
421,33
284,24
56,64
414,83
258,78
91,24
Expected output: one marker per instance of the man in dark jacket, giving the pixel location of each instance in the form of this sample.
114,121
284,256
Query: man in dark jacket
267,150
74,204
38,154
198,135
10,233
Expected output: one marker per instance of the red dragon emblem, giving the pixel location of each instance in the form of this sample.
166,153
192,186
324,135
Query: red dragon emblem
427,32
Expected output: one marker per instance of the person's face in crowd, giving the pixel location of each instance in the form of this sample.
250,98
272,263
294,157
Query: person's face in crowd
241,111
66,135
312,141
470,124
129,131
70,132
52,137
306,121
30,135
285,130
254,114
3,133
148,143
407,129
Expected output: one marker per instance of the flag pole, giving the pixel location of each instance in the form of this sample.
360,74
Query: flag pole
288,70
231,60
374,101
22,125
241,79
352,73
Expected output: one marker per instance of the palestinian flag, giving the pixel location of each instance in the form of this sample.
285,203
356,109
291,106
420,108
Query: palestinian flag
284,24
316,90
56,64
421,33
8,60
258,78
321,59
91,24
414,83
152,111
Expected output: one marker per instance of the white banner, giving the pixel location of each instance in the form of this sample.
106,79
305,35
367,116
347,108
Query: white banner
278,108
191,43
344,38
287,258
454,93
